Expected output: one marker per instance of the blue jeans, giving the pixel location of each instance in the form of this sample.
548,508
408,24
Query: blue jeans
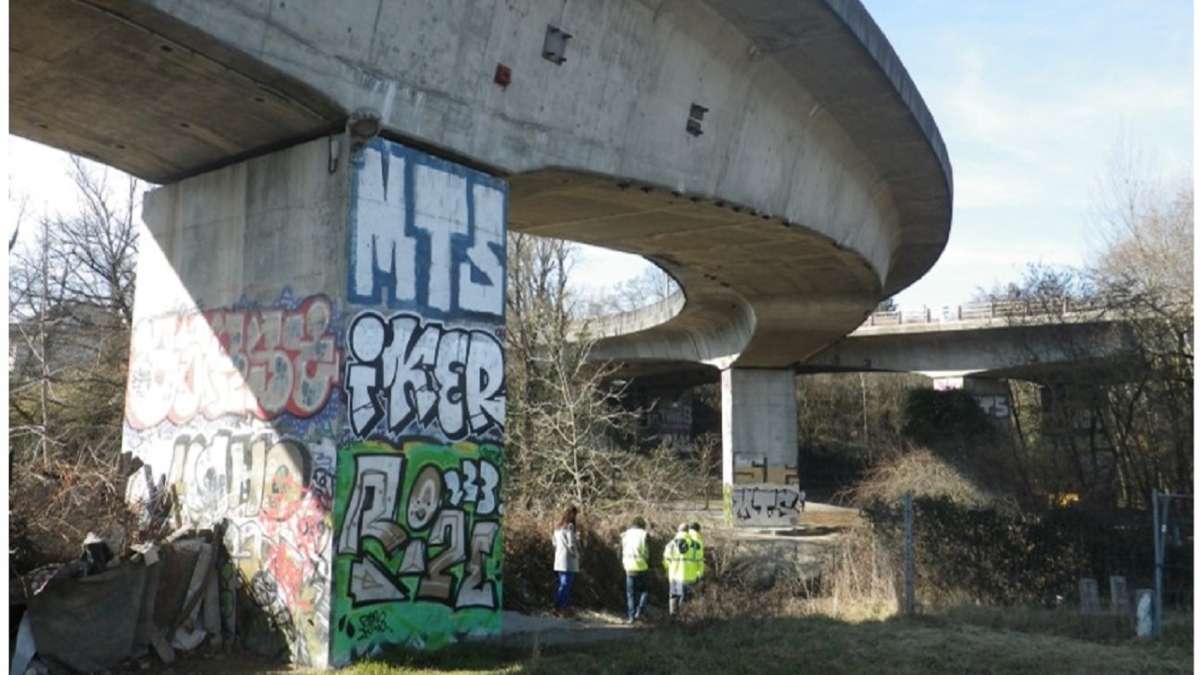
635,587
562,594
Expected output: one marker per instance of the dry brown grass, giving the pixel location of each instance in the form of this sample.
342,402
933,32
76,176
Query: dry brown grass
53,505
924,474
529,558
860,583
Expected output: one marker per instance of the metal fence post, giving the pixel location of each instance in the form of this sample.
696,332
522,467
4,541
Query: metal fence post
1159,527
910,566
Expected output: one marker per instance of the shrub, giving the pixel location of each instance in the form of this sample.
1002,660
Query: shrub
529,560
933,416
1001,556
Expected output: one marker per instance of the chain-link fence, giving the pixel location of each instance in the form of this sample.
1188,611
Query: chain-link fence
947,550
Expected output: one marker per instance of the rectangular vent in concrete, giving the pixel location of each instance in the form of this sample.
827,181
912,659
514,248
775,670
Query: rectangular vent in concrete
554,49
695,117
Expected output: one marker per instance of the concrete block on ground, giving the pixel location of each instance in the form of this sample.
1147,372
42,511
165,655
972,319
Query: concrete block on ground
1089,596
1118,595
1143,613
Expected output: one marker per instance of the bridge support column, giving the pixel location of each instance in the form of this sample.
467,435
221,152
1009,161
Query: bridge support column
759,442
317,362
990,393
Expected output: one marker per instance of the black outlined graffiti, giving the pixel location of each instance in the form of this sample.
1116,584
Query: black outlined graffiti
237,474
476,590
423,378
449,531
764,472
373,503
370,583
439,531
765,504
476,483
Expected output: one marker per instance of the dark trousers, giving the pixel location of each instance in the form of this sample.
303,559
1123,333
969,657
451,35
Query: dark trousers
562,593
636,594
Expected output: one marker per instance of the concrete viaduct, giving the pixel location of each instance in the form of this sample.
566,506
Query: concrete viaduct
994,340
973,346
317,352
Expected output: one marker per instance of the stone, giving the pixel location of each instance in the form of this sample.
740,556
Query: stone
1089,596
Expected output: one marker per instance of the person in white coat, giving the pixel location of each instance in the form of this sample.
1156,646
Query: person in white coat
566,558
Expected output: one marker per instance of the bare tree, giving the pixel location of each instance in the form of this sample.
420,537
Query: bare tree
650,286
70,309
1125,429
19,206
569,438
1145,272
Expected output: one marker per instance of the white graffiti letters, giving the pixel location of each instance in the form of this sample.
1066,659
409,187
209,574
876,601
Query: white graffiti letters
440,530
373,502
419,377
475,484
237,475
427,233
232,362
765,505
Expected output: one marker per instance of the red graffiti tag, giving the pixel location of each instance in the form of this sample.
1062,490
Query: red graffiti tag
260,362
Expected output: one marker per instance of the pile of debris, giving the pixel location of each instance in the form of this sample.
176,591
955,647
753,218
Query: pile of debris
101,611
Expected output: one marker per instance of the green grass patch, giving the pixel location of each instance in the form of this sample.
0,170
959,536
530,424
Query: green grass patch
938,644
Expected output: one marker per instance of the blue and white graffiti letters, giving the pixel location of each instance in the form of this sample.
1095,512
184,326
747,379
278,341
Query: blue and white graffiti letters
427,234
482,295
423,378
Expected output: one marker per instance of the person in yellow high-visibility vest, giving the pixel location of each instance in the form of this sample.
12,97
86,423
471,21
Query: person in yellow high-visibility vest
697,551
675,560
635,556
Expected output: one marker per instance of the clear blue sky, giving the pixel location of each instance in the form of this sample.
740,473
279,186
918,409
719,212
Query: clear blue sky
1030,98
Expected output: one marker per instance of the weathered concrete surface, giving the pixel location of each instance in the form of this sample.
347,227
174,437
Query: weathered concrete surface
1029,350
760,457
135,88
527,630
233,371
819,183
287,310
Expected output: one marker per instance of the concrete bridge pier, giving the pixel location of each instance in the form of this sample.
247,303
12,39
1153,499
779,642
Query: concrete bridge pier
759,446
990,393
317,363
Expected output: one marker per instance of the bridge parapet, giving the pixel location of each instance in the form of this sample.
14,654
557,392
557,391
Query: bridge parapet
976,314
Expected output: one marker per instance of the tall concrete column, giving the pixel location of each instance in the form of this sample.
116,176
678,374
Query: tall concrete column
317,362
759,442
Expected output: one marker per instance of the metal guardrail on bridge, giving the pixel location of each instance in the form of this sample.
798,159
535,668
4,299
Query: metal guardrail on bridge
976,311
